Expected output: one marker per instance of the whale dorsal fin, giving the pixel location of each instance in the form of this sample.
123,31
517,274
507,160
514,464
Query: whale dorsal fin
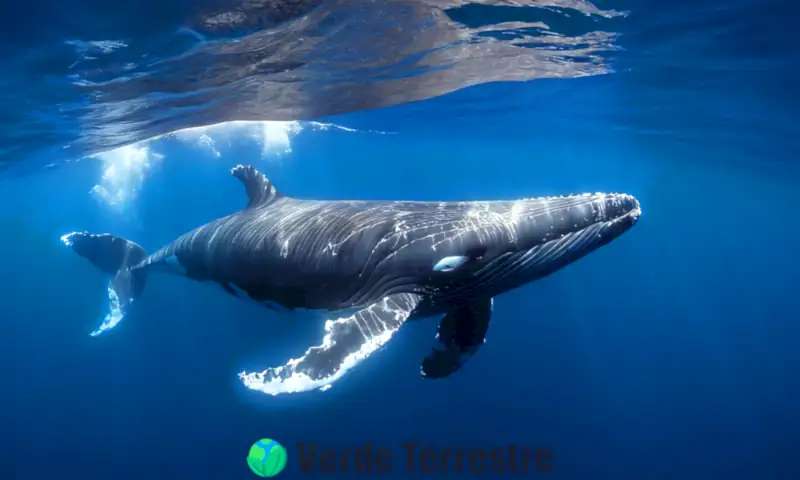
260,190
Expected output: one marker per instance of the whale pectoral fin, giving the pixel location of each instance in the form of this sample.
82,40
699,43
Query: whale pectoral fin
348,340
461,333
260,190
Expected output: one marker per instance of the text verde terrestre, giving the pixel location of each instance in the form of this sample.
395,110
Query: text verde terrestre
412,457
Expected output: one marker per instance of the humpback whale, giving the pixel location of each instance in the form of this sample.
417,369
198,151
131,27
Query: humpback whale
370,266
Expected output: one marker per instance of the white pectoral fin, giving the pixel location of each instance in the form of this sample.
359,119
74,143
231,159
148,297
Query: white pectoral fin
347,341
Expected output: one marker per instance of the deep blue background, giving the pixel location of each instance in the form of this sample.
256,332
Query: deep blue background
671,353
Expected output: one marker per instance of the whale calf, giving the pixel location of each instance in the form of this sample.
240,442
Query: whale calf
369,265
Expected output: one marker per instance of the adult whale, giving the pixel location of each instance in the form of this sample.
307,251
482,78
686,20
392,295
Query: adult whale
373,264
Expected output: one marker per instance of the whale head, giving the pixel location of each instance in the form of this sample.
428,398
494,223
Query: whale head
473,249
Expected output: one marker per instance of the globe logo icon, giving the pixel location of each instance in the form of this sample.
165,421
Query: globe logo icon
266,458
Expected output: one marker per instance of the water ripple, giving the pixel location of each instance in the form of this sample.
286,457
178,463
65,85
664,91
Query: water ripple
289,60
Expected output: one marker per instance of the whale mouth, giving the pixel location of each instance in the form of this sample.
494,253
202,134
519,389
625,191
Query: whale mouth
551,233
617,212
542,220
575,223
624,206
576,226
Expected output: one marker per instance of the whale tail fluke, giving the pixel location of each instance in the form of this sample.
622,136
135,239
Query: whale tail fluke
116,257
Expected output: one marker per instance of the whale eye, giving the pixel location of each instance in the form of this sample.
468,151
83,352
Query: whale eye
477,252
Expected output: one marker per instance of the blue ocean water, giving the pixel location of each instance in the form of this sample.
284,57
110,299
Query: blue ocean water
670,353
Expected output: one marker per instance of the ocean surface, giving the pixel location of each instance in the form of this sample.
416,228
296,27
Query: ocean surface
672,353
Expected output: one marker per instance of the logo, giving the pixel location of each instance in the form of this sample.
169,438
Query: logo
266,458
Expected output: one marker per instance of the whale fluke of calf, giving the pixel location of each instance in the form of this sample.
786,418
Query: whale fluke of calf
367,266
